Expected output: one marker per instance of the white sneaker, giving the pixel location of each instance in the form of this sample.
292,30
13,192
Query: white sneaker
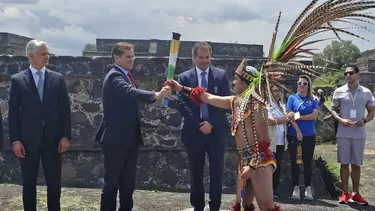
296,193
308,193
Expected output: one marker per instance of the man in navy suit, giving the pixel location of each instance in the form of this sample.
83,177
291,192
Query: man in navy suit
204,129
39,124
120,132
1,131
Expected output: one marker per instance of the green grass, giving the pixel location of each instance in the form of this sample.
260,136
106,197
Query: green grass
327,79
70,199
329,154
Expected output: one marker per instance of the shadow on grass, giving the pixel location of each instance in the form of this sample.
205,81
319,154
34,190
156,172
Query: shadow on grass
330,179
360,207
139,187
315,202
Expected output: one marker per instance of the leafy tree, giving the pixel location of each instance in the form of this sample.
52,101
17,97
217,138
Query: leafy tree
341,53
89,47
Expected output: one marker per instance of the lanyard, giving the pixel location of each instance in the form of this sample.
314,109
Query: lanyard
303,102
351,96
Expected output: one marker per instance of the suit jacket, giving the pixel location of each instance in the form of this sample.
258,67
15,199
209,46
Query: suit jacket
121,123
1,131
218,84
27,112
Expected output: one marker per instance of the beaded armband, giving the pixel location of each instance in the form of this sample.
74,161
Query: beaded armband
186,91
192,93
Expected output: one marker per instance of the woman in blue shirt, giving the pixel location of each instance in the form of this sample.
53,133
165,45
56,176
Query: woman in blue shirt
303,108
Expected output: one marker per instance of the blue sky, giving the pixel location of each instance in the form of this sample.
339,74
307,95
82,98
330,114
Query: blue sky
67,25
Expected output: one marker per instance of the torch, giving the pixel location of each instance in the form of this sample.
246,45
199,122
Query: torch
173,53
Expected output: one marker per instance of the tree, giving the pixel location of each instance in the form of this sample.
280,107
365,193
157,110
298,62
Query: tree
89,47
341,53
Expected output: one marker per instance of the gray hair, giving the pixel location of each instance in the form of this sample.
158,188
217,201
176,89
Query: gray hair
33,46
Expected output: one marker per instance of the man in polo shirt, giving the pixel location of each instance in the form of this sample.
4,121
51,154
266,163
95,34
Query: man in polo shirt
350,102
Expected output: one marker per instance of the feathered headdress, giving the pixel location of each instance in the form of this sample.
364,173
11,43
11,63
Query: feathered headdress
312,21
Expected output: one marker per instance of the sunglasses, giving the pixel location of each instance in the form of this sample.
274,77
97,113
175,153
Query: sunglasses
302,83
349,73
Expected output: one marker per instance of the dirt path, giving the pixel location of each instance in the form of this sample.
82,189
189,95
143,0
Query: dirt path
80,199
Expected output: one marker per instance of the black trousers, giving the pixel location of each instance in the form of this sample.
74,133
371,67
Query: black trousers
196,151
308,148
276,174
51,164
120,166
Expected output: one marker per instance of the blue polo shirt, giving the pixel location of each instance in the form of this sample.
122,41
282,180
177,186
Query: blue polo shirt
305,106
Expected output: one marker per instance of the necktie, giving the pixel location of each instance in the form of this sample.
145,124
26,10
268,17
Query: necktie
40,85
130,75
204,109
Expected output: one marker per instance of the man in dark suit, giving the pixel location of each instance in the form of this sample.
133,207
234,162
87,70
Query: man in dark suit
1,131
39,124
120,132
204,129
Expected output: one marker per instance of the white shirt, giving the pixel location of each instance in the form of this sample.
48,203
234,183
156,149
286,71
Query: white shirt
124,71
199,72
36,76
274,112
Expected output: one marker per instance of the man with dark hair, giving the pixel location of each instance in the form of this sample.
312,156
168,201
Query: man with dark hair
204,129
349,103
250,129
120,132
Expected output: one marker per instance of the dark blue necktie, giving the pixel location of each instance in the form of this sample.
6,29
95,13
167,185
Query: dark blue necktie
204,109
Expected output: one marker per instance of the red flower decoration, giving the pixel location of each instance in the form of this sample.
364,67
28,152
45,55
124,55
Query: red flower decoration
276,208
236,207
195,95
265,148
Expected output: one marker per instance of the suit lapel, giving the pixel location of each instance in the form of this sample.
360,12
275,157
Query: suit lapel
28,77
47,84
194,78
125,76
211,84
211,81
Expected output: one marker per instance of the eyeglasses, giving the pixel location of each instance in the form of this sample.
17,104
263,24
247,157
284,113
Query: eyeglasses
349,73
302,83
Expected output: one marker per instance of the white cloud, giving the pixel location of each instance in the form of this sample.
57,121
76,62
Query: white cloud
69,37
68,24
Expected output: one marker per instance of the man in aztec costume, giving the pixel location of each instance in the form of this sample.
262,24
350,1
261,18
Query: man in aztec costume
249,116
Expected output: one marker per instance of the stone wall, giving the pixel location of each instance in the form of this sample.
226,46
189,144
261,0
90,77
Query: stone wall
163,160
12,44
160,48
367,79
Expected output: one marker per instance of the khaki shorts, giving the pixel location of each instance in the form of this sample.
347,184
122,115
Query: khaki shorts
350,151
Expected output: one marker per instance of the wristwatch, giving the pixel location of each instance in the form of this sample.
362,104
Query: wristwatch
364,121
